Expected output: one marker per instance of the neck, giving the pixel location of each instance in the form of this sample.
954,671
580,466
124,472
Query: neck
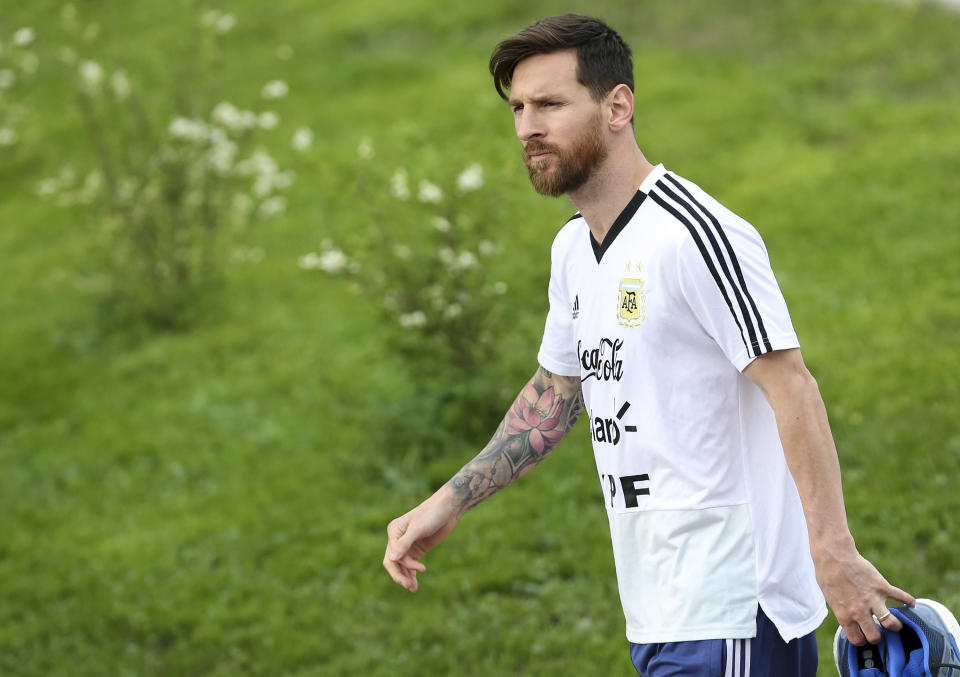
601,199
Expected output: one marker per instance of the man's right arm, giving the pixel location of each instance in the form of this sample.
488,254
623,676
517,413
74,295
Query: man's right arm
544,411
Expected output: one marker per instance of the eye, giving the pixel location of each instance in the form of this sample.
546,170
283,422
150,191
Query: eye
516,108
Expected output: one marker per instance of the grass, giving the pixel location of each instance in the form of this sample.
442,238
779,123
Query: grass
212,502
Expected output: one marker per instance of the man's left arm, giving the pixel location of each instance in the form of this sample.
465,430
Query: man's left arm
853,587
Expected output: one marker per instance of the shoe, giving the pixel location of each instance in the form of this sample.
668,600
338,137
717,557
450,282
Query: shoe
928,646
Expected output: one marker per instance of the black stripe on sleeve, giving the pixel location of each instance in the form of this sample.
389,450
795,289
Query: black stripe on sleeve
706,258
733,261
721,260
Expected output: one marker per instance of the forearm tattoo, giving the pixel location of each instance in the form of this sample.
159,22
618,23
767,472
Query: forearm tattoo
542,414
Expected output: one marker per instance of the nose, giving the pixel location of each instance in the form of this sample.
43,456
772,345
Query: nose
529,125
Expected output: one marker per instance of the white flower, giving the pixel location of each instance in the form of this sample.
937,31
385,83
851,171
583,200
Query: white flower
7,78
24,36
429,192
91,75
91,187
302,139
8,137
225,23
217,135
222,154
453,310
226,114
45,187
233,118
309,261
486,248
365,149
185,128
268,120
470,178
500,288
448,256
441,224
263,185
284,52
275,89
120,84
415,319
29,62
209,18
260,163
247,119
398,184
465,260
333,261
272,206
402,251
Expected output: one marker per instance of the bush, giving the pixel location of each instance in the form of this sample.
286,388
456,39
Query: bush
424,269
169,197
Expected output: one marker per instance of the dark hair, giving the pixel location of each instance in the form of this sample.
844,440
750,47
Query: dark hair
604,60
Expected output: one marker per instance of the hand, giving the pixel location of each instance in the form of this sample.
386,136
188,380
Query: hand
410,537
857,592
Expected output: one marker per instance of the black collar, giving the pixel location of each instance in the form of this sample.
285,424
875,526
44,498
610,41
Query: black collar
619,224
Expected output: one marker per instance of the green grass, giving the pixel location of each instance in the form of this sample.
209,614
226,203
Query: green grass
213,502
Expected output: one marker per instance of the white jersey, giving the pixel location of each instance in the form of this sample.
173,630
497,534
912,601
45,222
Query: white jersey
659,322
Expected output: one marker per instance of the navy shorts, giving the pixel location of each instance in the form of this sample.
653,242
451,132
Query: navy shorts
765,655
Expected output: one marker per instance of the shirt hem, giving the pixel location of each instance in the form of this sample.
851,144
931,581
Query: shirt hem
745,631
792,632
780,342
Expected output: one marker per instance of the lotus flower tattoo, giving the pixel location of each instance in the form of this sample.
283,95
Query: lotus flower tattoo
538,415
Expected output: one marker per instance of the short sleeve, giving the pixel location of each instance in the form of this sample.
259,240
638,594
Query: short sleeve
557,352
726,279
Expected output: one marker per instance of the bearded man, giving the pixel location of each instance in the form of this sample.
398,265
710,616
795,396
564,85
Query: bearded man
715,459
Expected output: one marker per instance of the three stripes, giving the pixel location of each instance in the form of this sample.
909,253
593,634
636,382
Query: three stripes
720,258
738,658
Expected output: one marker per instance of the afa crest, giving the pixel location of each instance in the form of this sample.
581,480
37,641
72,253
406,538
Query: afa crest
632,306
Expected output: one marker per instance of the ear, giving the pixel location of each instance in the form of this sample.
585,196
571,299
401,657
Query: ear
620,105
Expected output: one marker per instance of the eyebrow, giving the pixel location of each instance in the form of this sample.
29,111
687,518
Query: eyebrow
540,98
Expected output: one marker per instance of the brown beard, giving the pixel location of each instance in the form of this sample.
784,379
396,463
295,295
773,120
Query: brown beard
571,168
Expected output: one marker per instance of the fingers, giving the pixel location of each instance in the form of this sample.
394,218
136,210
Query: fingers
403,572
854,635
889,621
862,631
399,538
397,560
901,596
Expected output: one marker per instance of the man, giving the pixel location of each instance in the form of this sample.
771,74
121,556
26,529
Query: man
714,454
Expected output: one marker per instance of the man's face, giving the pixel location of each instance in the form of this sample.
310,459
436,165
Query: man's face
557,121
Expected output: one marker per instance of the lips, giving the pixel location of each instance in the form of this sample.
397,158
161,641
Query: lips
536,153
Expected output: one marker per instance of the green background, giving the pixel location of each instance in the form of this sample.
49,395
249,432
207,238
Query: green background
213,501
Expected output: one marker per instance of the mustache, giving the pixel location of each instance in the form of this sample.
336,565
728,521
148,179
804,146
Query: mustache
534,147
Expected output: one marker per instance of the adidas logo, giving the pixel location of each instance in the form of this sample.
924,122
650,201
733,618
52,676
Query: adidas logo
576,306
